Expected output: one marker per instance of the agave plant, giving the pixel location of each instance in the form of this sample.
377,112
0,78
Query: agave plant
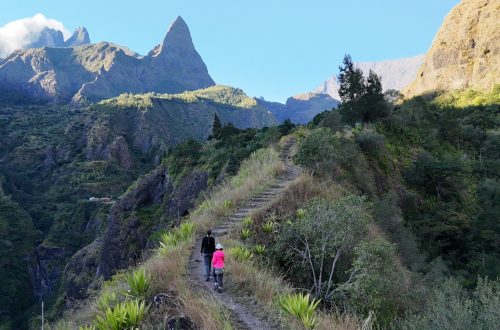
245,233
138,282
301,213
185,230
268,227
87,327
126,315
228,204
241,253
301,307
247,221
260,249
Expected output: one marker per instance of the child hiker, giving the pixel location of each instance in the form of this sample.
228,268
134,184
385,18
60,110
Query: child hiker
218,266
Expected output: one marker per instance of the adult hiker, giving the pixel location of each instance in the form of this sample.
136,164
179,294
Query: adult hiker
218,266
207,250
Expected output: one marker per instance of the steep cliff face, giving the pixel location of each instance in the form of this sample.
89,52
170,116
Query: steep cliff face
465,52
99,71
151,203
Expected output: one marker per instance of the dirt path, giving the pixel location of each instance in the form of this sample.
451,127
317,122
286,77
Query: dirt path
246,313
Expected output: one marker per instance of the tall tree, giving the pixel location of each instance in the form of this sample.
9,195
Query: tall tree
216,127
373,84
351,80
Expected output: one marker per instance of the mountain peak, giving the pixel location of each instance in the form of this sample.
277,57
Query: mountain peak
79,37
178,36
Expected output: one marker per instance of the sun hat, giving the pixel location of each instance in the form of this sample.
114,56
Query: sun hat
218,246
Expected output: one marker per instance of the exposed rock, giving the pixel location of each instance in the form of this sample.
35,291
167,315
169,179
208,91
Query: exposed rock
81,270
119,152
126,235
465,52
79,37
100,71
46,270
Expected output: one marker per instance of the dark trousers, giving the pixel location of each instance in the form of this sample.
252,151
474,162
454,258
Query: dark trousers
207,258
219,278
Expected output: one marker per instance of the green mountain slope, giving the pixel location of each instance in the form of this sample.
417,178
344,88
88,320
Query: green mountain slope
53,160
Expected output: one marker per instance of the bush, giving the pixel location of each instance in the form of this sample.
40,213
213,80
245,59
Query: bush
138,283
321,240
372,144
451,307
316,151
301,307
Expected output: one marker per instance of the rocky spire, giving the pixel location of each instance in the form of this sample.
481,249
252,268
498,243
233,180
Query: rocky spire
178,37
79,37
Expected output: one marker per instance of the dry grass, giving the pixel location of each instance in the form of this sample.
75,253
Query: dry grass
255,174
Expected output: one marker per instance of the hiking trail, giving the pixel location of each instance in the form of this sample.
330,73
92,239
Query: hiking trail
246,312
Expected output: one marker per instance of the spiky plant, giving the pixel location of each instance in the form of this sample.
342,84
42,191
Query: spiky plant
301,307
241,253
138,282
260,249
245,233
268,227
247,221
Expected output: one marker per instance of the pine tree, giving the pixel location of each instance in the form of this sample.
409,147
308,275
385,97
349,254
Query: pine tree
373,84
352,83
216,127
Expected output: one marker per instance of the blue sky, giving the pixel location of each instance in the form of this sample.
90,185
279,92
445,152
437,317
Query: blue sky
268,48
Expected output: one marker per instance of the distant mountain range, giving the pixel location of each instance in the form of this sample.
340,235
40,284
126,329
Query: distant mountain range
93,72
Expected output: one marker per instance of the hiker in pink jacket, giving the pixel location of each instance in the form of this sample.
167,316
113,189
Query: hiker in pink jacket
218,266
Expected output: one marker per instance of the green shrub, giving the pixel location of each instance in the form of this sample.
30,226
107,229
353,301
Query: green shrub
138,282
247,221
245,233
126,315
268,227
241,253
260,249
301,307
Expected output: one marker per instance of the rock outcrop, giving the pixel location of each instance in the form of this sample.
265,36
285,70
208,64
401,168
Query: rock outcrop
99,71
465,52
127,235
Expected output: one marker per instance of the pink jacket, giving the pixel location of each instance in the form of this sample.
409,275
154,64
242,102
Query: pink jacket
218,259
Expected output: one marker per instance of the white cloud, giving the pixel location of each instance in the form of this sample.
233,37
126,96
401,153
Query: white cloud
20,33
